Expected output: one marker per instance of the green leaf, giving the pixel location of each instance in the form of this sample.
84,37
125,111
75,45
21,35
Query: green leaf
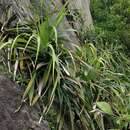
4,45
30,85
31,94
105,107
60,16
35,99
38,50
28,42
45,78
125,117
44,34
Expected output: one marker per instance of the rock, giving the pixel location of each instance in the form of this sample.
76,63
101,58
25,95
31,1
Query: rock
10,119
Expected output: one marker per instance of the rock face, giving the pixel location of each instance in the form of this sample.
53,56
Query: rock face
10,119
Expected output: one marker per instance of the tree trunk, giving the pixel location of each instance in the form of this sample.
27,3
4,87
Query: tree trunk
21,10
82,9
85,19
64,26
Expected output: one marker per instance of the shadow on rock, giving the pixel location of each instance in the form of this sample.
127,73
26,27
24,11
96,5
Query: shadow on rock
10,99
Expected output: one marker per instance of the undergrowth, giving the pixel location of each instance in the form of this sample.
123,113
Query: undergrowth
87,88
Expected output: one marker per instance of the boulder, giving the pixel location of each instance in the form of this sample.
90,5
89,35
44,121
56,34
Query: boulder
15,115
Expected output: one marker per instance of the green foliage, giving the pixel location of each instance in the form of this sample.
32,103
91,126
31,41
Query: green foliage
110,18
105,107
83,89
50,72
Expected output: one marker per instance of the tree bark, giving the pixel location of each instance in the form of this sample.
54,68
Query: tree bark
82,8
64,26
21,9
